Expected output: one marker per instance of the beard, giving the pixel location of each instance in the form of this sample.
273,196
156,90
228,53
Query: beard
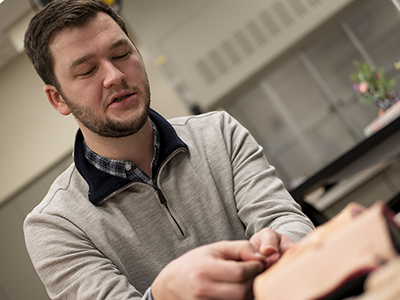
105,126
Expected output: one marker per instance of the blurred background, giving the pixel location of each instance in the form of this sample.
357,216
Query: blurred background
281,67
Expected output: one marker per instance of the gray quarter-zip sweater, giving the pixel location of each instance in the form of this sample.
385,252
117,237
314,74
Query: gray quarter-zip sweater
96,236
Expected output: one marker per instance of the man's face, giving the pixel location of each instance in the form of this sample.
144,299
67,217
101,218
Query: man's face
102,78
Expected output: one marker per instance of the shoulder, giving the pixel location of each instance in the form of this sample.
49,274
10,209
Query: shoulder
209,121
65,188
215,131
214,115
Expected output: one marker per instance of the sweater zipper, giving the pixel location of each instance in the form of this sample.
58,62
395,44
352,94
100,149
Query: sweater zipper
163,201
161,196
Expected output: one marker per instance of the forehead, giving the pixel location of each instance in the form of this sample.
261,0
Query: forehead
95,35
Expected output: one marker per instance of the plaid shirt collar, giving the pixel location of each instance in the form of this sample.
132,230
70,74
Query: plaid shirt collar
125,169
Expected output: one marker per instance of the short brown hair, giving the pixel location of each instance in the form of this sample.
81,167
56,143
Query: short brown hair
56,16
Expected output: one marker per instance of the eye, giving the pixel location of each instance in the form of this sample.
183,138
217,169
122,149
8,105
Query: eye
122,56
88,73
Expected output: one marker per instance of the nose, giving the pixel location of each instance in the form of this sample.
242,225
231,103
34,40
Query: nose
113,76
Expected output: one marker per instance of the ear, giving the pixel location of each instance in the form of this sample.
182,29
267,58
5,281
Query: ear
56,100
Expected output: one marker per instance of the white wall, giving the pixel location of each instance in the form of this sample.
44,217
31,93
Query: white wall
33,135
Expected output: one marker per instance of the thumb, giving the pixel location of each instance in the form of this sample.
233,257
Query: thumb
239,251
270,244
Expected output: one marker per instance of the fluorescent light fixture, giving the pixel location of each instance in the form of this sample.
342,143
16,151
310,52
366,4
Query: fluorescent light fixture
396,3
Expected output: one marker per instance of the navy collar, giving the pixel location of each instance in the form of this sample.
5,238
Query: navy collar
102,184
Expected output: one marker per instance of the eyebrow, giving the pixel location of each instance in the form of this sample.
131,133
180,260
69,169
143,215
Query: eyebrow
85,58
81,60
120,42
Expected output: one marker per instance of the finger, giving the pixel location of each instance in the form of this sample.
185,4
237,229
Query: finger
270,243
271,259
226,290
237,250
268,250
285,243
235,271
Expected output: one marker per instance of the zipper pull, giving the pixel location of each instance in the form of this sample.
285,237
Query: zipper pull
161,197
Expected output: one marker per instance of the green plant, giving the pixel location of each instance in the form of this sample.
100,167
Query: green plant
371,85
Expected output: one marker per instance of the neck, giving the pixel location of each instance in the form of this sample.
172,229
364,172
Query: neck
138,147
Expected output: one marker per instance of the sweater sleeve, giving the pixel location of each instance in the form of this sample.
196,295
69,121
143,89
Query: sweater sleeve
70,265
261,198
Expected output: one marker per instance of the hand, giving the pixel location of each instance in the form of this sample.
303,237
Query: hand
223,270
270,244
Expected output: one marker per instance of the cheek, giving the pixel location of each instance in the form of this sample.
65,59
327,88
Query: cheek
137,69
88,92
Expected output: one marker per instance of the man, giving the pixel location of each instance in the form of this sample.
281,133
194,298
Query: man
186,209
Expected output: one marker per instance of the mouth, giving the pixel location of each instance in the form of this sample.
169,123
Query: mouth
119,99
